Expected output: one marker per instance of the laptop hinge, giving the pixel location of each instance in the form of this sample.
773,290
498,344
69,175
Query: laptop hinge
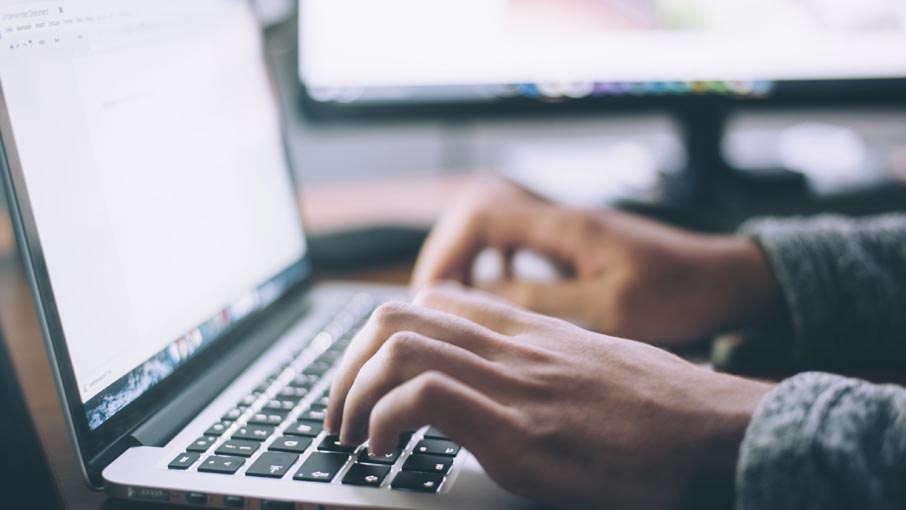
164,424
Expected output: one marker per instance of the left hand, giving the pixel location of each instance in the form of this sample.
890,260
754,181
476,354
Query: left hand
594,421
625,275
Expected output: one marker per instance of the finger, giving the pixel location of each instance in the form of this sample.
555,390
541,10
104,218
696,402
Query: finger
508,256
403,357
391,318
561,299
449,250
467,416
458,238
480,307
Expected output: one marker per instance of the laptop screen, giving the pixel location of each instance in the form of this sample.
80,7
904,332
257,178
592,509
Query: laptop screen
148,138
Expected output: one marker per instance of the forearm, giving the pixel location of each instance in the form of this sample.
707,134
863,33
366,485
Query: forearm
842,281
822,441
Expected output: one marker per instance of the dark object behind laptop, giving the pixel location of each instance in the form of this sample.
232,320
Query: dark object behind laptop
26,480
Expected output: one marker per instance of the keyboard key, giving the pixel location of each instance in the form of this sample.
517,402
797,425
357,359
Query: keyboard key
278,405
291,393
223,465
201,444
218,428
304,428
238,447
317,368
437,447
272,419
415,481
368,475
332,444
292,444
304,381
435,433
253,432
313,415
321,467
249,399
366,457
183,461
234,413
272,464
428,464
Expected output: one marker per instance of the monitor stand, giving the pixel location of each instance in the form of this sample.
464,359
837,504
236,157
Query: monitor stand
710,194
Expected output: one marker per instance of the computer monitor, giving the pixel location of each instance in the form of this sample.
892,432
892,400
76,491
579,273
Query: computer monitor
394,53
697,59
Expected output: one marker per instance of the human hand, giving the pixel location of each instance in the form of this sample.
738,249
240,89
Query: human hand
594,421
626,276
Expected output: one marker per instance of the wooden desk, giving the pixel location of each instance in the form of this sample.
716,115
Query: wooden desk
409,202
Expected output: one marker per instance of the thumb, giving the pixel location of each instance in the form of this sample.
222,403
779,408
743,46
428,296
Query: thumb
565,299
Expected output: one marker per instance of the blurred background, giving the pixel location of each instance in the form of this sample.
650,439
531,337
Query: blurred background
702,114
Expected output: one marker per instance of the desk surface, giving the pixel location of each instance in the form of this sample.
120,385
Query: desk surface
325,208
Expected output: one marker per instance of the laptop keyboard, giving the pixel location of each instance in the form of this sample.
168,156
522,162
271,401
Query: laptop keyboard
277,431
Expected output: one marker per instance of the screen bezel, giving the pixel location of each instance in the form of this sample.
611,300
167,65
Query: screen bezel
858,93
97,447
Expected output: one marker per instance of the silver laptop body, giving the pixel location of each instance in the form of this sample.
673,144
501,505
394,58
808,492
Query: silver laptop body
158,224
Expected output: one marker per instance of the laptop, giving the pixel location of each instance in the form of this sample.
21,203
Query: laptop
25,476
156,214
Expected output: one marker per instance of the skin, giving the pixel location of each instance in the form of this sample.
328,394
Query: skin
625,275
633,425
596,421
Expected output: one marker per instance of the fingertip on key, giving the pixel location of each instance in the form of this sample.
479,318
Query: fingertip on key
378,448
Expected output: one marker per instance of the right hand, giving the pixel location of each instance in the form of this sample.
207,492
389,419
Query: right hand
627,276
592,421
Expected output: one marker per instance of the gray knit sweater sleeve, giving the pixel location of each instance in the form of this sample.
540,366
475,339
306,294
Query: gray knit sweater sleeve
825,442
844,282
820,441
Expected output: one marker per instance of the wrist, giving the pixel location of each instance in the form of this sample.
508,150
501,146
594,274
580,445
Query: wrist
720,433
743,275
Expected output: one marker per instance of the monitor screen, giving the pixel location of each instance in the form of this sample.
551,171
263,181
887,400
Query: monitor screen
148,139
354,51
